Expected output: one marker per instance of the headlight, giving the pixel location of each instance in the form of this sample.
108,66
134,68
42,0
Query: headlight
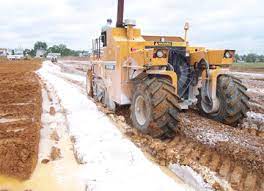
160,54
228,54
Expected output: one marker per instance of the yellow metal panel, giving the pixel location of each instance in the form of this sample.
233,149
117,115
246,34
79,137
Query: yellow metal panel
159,61
179,44
139,57
227,61
196,57
195,49
213,57
166,38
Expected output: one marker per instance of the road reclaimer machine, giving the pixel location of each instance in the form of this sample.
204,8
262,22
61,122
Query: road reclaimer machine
159,76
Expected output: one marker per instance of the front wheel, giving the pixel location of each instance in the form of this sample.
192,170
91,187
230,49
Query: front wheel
233,101
153,108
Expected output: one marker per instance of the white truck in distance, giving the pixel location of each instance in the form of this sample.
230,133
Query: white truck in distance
17,54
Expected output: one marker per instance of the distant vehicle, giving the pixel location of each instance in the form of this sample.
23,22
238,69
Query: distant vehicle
3,52
84,54
53,57
40,53
17,54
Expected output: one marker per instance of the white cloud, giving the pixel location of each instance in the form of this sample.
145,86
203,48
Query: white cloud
217,24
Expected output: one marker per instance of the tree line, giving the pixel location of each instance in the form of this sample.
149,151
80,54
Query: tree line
65,51
249,58
61,48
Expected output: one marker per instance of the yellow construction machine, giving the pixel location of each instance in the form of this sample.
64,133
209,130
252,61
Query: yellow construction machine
159,76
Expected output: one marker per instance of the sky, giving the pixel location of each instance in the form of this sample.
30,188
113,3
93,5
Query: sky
230,24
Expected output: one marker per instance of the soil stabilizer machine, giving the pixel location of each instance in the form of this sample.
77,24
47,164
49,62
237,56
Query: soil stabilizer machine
159,76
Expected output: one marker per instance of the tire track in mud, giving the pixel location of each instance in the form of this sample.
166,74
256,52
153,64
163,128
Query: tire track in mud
255,85
218,167
217,164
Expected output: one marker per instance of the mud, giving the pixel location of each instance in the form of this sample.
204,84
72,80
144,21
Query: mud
50,175
255,85
245,147
20,113
55,153
52,111
227,158
54,136
75,67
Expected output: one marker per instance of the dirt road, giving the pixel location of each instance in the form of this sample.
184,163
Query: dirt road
227,158
108,160
255,85
82,148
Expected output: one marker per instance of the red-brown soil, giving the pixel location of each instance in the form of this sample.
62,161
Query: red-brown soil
8,66
55,153
235,155
20,115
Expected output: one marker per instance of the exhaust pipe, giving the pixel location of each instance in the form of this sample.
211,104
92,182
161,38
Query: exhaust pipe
120,13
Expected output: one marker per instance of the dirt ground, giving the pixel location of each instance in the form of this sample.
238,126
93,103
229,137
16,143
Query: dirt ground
228,158
218,152
247,68
255,84
14,66
20,114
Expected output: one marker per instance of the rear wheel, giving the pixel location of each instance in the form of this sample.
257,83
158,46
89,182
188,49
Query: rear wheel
154,108
233,101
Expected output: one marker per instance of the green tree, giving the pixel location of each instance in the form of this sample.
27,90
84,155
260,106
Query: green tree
237,57
63,50
54,49
251,58
29,52
40,45
261,58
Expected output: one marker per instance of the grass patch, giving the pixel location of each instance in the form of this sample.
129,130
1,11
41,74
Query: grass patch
249,65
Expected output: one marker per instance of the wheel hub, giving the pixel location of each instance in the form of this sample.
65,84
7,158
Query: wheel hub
141,110
210,106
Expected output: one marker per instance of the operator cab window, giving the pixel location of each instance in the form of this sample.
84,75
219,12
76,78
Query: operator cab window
104,39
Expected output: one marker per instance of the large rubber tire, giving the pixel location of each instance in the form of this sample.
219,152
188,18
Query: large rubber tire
160,113
233,101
